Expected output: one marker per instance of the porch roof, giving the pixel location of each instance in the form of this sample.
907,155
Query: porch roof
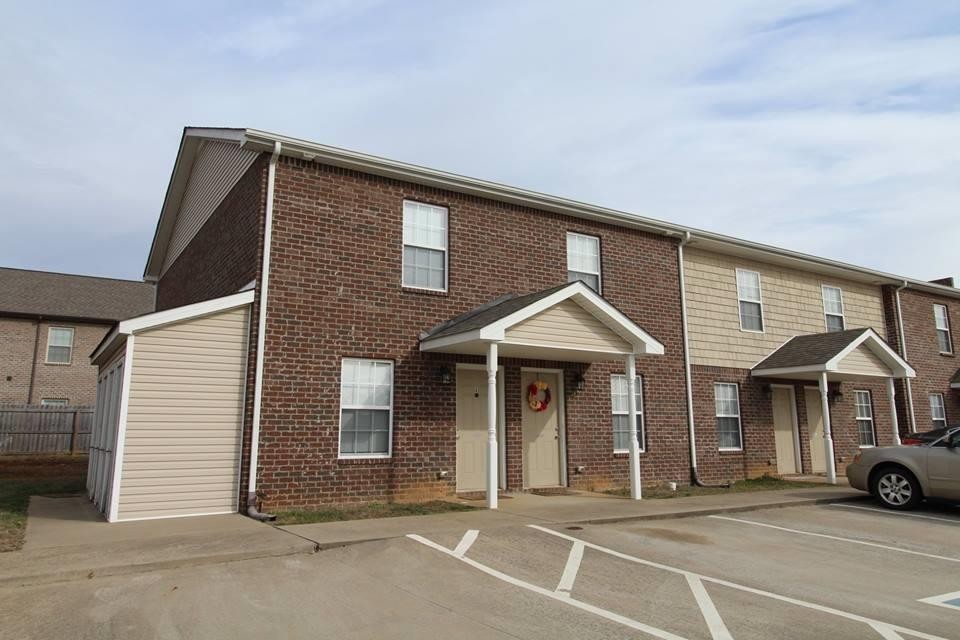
843,355
569,322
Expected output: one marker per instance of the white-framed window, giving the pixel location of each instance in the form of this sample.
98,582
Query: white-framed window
938,411
727,400
366,408
59,345
53,402
424,246
583,260
750,299
833,308
864,405
621,413
942,322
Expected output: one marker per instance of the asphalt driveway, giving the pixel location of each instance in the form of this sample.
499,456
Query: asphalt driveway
838,571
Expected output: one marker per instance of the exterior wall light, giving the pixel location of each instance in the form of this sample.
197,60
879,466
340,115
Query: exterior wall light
579,381
446,375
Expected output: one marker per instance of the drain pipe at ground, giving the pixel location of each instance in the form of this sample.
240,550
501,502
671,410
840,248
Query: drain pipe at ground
252,510
691,425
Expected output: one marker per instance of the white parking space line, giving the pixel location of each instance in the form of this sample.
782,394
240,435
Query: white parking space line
466,542
886,632
947,600
567,600
839,538
718,630
875,624
888,512
571,569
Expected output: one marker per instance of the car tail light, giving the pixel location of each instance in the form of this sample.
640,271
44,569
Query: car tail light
911,441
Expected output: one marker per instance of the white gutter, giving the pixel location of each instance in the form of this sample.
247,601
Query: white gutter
903,354
261,340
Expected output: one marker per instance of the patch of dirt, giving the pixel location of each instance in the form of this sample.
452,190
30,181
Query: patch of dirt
675,536
18,467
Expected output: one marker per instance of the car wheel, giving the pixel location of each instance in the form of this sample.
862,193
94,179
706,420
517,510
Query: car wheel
896,488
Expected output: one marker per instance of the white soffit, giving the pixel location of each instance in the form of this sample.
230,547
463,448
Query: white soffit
216,170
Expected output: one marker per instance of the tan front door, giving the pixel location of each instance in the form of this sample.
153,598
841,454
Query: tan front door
783,430
471,429
818,462
541,435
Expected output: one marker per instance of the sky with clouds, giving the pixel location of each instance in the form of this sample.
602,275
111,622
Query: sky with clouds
824,126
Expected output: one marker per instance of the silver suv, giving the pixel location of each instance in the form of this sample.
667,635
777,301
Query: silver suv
900,477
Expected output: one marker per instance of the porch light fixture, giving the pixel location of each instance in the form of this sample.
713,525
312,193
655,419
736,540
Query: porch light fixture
767,390
835,393
446,375
579,382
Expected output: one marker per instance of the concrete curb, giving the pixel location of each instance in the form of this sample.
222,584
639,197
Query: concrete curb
145,567
712,511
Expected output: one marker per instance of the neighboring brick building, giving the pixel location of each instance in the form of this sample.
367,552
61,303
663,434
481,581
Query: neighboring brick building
50,323
381,292
929,316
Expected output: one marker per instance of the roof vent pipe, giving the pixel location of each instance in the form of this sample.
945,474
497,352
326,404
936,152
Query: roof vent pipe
691,425
252,510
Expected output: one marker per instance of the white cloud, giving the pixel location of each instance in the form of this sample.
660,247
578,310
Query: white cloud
826,127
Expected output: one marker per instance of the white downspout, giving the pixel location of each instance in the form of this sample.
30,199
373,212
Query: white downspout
691,423
903,354
252,510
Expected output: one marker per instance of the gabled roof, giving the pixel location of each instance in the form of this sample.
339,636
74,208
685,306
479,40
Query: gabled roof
71,297
824,352
491,323
266,142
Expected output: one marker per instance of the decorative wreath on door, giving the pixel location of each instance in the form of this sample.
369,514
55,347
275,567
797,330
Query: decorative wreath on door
533,395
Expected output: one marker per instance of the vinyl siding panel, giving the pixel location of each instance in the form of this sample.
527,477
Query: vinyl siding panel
863,361
792,305
182,443
218,167
567,325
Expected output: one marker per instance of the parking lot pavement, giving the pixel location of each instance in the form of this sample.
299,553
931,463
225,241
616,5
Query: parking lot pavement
803,572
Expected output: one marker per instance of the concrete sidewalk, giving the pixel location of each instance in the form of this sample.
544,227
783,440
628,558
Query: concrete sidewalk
66,539
580,508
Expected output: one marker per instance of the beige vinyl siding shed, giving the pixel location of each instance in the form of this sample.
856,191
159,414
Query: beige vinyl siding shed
178,440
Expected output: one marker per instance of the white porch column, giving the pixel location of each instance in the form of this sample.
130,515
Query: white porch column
892,397
827,434
632,416
492,467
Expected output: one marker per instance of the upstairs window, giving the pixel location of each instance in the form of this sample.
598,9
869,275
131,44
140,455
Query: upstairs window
366,408
938,411
424,246
621,413
583,260
942,322
865,418
833,308
751,302
727,400
59,345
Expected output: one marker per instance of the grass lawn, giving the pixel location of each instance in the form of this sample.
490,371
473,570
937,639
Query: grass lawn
25,476
374,510
765,483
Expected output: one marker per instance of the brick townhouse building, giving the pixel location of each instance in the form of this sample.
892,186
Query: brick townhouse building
49,325
333,328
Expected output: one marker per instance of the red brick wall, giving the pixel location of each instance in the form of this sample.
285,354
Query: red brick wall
759,454
934,369
335,292
75,382
222,258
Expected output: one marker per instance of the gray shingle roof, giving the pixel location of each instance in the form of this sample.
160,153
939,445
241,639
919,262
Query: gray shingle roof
488,313
814,349
60,295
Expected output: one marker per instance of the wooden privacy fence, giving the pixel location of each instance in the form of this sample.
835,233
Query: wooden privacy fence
45,429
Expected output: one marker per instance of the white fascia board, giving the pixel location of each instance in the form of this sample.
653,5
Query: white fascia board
105,344
447,341
642,342
186,312
955,385
787,371
881,349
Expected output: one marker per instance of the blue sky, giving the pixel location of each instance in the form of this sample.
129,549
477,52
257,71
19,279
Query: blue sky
829,127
